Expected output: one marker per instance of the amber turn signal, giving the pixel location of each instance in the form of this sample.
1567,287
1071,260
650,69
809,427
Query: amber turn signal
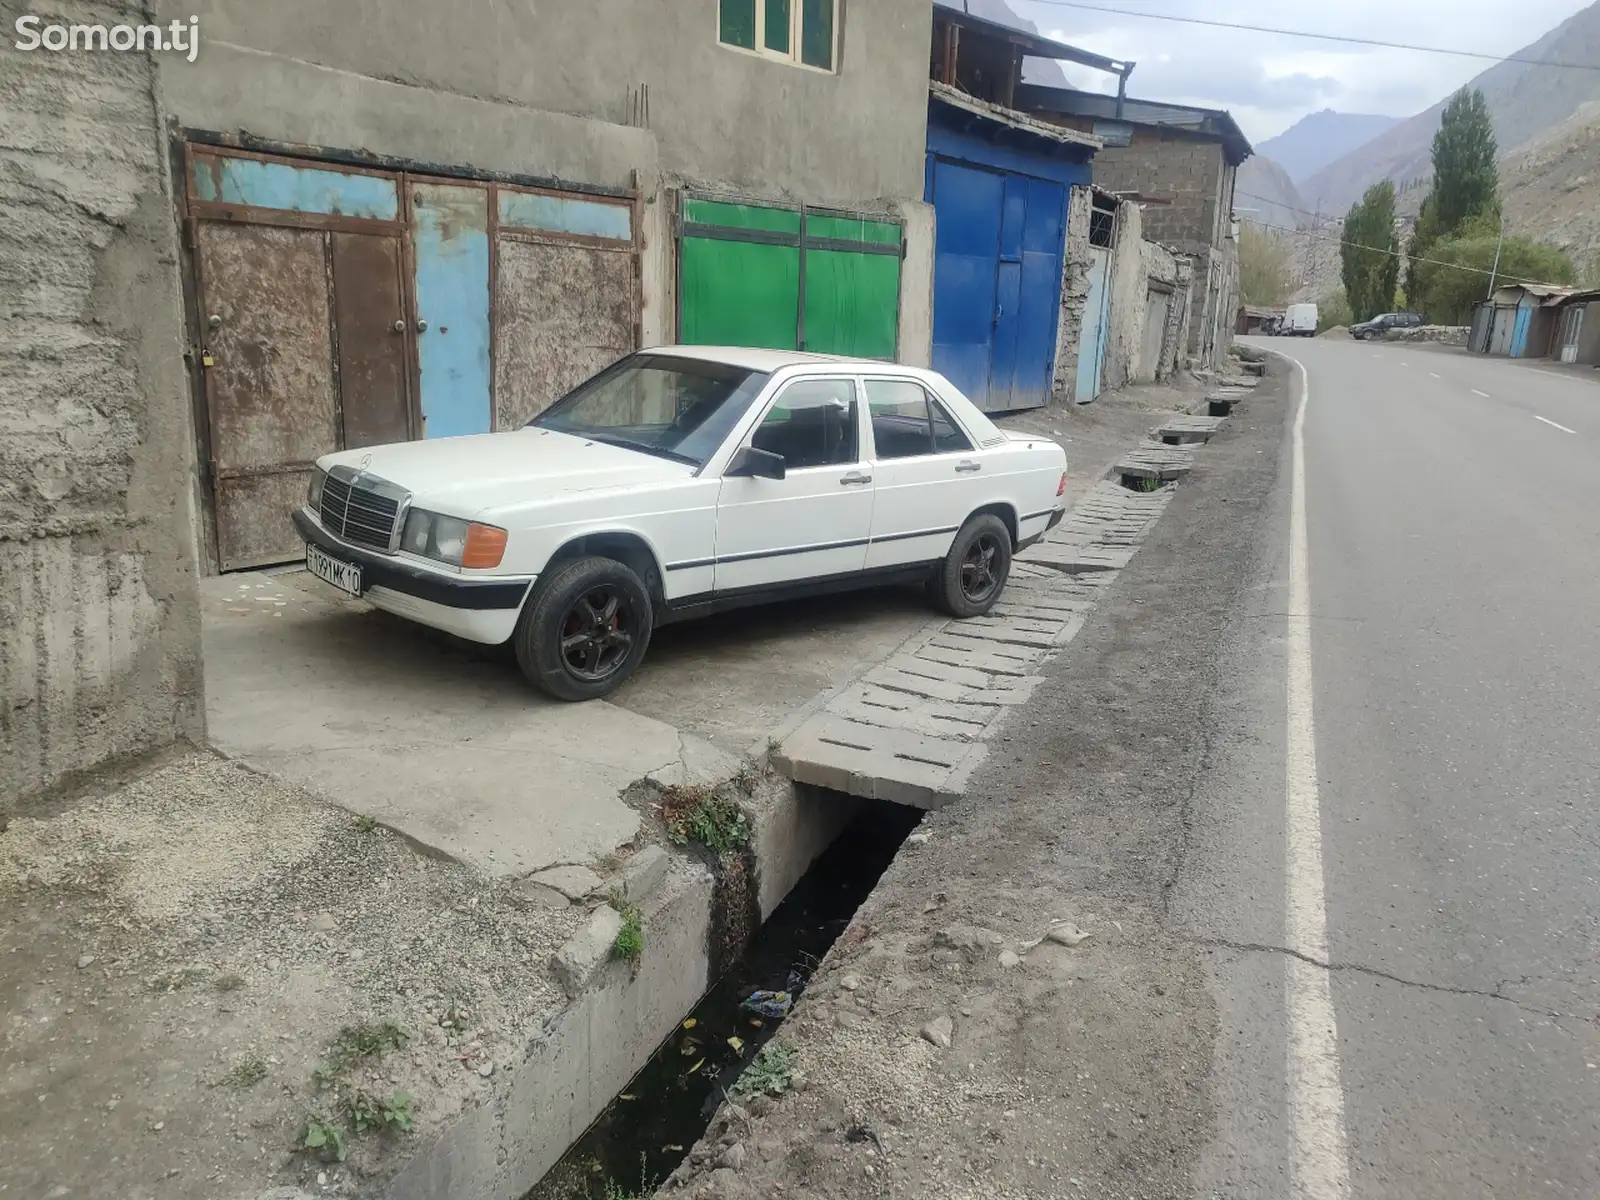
486,546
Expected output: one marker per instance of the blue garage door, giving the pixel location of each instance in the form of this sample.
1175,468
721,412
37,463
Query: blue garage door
997,283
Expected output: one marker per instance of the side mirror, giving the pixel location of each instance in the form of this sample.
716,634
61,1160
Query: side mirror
748,462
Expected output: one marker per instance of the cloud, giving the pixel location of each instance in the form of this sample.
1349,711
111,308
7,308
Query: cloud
1269,81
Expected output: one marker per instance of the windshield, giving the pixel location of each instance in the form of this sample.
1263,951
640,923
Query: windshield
662,404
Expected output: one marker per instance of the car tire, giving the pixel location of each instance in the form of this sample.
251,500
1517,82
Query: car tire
585,629
975,570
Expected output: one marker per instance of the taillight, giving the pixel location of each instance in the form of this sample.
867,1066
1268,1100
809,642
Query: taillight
1061,488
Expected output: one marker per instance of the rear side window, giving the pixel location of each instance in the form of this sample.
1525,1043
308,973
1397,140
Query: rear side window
906,421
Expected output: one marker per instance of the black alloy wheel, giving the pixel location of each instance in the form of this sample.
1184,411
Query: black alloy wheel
979,580
597,634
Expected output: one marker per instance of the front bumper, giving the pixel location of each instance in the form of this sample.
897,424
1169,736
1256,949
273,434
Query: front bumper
479,609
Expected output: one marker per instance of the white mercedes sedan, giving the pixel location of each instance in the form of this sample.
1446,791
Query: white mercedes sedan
678,482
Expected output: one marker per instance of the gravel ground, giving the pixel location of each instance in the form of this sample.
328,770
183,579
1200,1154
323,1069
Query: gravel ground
178,953
941,1052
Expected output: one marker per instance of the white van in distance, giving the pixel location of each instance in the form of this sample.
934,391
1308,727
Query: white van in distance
1299,320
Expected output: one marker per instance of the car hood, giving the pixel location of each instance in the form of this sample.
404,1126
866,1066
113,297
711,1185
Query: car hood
462,476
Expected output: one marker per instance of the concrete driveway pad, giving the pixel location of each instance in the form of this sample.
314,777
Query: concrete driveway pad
455,754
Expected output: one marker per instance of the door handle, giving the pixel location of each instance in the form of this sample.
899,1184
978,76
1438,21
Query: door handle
422,327
967,464
855,477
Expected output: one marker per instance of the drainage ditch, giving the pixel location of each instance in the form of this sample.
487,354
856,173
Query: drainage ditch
647,1130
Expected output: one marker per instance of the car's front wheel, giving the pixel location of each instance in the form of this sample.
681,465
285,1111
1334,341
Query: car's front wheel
975,570
585,629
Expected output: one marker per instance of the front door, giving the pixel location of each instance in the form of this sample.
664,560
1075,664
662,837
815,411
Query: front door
450,239
815,522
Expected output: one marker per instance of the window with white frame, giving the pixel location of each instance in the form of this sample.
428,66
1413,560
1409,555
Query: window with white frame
798,31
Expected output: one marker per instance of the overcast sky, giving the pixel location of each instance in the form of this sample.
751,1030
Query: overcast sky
1268,82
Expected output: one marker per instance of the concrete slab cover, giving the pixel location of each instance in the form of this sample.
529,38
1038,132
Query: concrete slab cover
458,754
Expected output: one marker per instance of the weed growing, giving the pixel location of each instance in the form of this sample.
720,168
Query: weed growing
770,1072
629,942
700,815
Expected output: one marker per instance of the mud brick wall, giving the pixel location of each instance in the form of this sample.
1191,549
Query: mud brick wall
99,613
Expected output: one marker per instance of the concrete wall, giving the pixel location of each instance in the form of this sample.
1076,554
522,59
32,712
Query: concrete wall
99,615
1189,170
488,81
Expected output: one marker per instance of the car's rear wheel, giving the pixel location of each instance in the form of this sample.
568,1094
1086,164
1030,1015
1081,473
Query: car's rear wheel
975,570
585,629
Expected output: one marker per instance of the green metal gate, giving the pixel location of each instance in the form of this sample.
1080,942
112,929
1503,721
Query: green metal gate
786,278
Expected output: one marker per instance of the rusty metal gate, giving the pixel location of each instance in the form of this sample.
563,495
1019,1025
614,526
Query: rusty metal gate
314,286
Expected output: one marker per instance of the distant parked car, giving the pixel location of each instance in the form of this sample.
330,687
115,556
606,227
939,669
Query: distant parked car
1299,320
1382,323
679,482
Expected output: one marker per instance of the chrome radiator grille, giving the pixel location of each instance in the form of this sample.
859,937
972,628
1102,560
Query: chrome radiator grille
361,509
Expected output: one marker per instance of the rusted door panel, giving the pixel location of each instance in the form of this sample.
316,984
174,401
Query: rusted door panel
370,317
564,312
270,387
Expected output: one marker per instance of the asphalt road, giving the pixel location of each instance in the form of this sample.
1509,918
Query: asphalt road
1452,532
1319,775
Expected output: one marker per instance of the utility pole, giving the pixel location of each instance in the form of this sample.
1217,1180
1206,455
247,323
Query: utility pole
1495,270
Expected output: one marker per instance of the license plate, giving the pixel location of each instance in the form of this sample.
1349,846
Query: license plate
344,576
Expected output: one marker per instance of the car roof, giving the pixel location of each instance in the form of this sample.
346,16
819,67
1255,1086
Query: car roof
752,358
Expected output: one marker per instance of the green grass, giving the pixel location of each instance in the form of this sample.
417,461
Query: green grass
629,943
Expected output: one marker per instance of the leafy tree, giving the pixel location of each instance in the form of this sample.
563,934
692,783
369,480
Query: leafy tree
1466,182
1370,253
1457,275
1423,235
1263,267
1332,310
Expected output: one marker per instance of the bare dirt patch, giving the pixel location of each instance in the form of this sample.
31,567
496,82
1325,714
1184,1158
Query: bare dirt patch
180,955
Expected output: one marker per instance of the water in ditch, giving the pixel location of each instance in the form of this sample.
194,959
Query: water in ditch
645,1133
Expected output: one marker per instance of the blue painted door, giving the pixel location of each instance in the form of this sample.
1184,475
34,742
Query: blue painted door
1028,308
1092,338
1519,333
450,236
997,282
967,205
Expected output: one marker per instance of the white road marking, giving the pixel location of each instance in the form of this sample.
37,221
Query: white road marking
1403,364
1318,1163
1435,374
1548,421
1476,392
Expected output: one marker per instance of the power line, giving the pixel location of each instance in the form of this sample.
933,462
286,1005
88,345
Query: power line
1320,37
1341,242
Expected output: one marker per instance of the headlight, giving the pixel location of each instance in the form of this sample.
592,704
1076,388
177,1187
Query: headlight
314,492
451,540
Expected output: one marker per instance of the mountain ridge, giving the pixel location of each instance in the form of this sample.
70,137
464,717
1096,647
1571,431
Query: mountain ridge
1524,100
1320,138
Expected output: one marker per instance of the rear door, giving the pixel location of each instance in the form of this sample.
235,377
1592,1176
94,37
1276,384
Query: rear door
926,473
814,523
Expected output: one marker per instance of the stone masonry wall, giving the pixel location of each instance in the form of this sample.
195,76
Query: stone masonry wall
1189,171
1074,292
99,614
